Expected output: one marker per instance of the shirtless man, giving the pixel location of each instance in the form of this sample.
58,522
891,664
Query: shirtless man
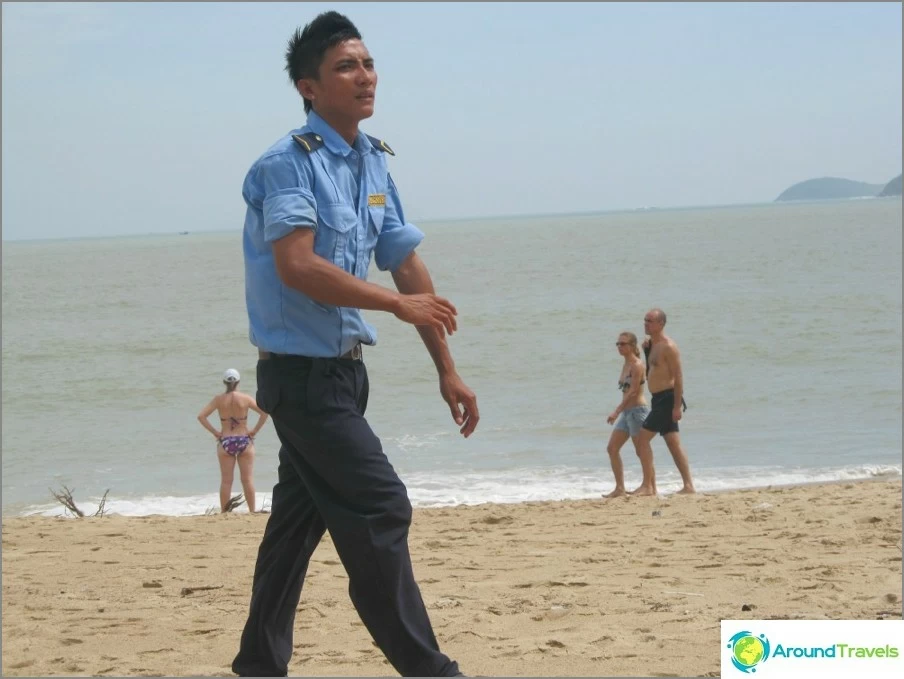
667,388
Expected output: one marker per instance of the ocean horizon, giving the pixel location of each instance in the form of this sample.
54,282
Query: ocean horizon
454,220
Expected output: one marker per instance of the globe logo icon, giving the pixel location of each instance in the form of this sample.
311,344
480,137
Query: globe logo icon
747,651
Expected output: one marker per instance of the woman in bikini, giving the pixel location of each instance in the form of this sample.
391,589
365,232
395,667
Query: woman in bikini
235,442
629,416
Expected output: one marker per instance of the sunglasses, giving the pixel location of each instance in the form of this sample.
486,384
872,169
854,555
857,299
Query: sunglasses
621,344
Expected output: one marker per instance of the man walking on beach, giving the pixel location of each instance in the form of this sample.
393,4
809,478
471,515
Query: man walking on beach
320,202
666,383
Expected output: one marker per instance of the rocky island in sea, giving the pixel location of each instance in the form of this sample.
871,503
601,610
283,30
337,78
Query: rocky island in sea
836,188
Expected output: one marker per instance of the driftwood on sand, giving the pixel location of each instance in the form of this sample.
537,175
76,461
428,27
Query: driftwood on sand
64,497
234,502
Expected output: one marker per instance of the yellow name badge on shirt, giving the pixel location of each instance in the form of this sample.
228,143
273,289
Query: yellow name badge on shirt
376,200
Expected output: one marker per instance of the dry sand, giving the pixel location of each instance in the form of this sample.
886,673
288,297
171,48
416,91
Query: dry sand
627,587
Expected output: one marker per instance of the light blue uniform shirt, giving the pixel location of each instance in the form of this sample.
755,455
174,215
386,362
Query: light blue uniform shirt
346,195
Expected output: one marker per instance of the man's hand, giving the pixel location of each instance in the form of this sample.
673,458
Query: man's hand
676,413
611,419
430,310
462,402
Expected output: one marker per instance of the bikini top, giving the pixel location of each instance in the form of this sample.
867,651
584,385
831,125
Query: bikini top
626,384
234,421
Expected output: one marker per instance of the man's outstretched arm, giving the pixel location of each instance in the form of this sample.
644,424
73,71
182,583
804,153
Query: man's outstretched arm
411,277
300,268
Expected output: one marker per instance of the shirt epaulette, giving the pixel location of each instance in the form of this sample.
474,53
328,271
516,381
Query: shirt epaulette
309,142
380,144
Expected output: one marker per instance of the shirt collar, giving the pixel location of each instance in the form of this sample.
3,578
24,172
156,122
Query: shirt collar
333,140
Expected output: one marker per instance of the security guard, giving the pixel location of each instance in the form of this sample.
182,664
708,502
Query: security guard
320,202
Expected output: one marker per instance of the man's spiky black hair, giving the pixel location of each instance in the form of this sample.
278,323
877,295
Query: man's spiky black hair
307,46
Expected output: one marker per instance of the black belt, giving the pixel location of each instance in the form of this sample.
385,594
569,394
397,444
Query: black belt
355,354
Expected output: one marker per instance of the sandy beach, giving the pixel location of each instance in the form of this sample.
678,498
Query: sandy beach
627,587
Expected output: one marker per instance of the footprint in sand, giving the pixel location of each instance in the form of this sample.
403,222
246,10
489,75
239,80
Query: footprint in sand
21,665
494,520
517,653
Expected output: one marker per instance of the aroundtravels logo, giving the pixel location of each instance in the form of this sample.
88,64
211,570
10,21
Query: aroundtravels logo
829,649
747,651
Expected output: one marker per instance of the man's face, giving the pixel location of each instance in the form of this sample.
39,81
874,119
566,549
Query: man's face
347,83
651,323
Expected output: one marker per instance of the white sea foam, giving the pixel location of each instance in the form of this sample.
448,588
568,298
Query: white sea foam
502,487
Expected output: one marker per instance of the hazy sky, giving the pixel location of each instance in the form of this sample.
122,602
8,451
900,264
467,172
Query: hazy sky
144,118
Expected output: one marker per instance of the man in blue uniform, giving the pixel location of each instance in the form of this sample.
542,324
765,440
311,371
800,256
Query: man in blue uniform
320,202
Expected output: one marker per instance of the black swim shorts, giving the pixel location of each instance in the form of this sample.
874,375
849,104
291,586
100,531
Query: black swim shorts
660,417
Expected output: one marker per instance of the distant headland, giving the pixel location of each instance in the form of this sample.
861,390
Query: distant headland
893,188
834,188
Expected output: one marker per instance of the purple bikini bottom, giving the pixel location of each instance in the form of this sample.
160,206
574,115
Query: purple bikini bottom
235,445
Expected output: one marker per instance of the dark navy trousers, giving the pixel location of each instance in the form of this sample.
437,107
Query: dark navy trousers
333,475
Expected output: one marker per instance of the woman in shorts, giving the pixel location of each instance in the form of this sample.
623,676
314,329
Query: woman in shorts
629,416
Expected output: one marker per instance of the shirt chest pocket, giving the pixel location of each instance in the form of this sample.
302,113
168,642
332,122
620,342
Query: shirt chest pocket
334,227
376,213
377,197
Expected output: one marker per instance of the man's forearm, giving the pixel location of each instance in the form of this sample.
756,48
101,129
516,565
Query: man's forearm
412,278
437,348
326,283
679,389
